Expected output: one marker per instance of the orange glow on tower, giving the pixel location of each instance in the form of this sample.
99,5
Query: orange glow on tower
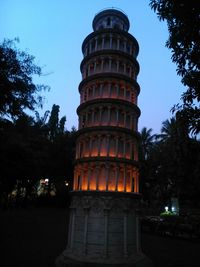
106,150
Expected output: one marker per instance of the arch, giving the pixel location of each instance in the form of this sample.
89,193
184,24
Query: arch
103,146
112,150
102,178
111,179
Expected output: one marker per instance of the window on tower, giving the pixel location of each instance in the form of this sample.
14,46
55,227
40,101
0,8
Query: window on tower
108,21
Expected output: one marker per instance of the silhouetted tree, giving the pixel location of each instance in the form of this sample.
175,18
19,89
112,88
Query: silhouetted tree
17,90
183,23
146,142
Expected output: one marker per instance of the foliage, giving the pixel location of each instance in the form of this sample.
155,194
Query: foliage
172,166
146,142
183,22
167,213
17,90
30,152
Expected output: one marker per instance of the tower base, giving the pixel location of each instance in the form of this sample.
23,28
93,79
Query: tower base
63,261
103,231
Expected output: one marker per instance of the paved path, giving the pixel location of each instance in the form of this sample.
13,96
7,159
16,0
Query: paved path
34,237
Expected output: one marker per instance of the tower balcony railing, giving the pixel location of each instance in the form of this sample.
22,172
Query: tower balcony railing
127,71
110,42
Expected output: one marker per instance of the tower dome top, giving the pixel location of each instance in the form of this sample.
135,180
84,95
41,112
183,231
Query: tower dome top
111,18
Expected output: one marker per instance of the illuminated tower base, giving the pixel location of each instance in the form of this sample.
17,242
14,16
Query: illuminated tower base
104,224
104,231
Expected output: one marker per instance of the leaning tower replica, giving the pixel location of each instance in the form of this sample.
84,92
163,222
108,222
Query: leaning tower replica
104,225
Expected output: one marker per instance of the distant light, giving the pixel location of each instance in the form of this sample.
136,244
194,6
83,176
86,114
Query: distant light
173,209
42,181
166,208
46,181
66,183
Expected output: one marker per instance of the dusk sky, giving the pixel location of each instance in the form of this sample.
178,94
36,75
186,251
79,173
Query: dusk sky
53,31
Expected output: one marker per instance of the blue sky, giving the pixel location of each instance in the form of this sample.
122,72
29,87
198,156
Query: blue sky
53,31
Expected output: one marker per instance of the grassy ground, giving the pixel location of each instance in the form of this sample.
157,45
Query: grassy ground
36,236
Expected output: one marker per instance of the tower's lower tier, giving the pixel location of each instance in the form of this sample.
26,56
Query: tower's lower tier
103,230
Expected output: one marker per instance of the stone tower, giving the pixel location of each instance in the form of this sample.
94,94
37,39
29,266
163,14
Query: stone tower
104,226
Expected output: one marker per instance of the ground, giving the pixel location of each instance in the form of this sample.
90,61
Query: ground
31,237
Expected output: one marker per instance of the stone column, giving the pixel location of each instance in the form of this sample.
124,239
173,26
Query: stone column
97,177
137,230
103,40
109,114
124,45
110,64
96,44
117,86
118,43
130,71
137,179
100,114
86,118
124,147
81,178
124,178
131,48
86,210
93,111
90,47
102,65
117,146
110,41
95,66
109,89
117,178
125,234
90,146
106,212
131,179
88,69
107,174
99,145
117,117
117,65
132,121
124,68
108,145
131,149
93,90
101,89
125,119
124,92
89,176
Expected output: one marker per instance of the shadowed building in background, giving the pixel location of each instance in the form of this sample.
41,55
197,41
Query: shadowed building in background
104,224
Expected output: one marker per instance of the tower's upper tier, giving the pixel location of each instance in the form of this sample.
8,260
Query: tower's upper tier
112,19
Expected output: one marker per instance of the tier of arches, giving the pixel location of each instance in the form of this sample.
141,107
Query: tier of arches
108,63
108,115
106,176
106,145
113,41
108,89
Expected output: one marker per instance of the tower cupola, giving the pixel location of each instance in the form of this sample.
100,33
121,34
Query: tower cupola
110,19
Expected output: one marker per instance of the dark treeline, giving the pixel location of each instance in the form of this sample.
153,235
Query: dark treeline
36,153
170,166
32,150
